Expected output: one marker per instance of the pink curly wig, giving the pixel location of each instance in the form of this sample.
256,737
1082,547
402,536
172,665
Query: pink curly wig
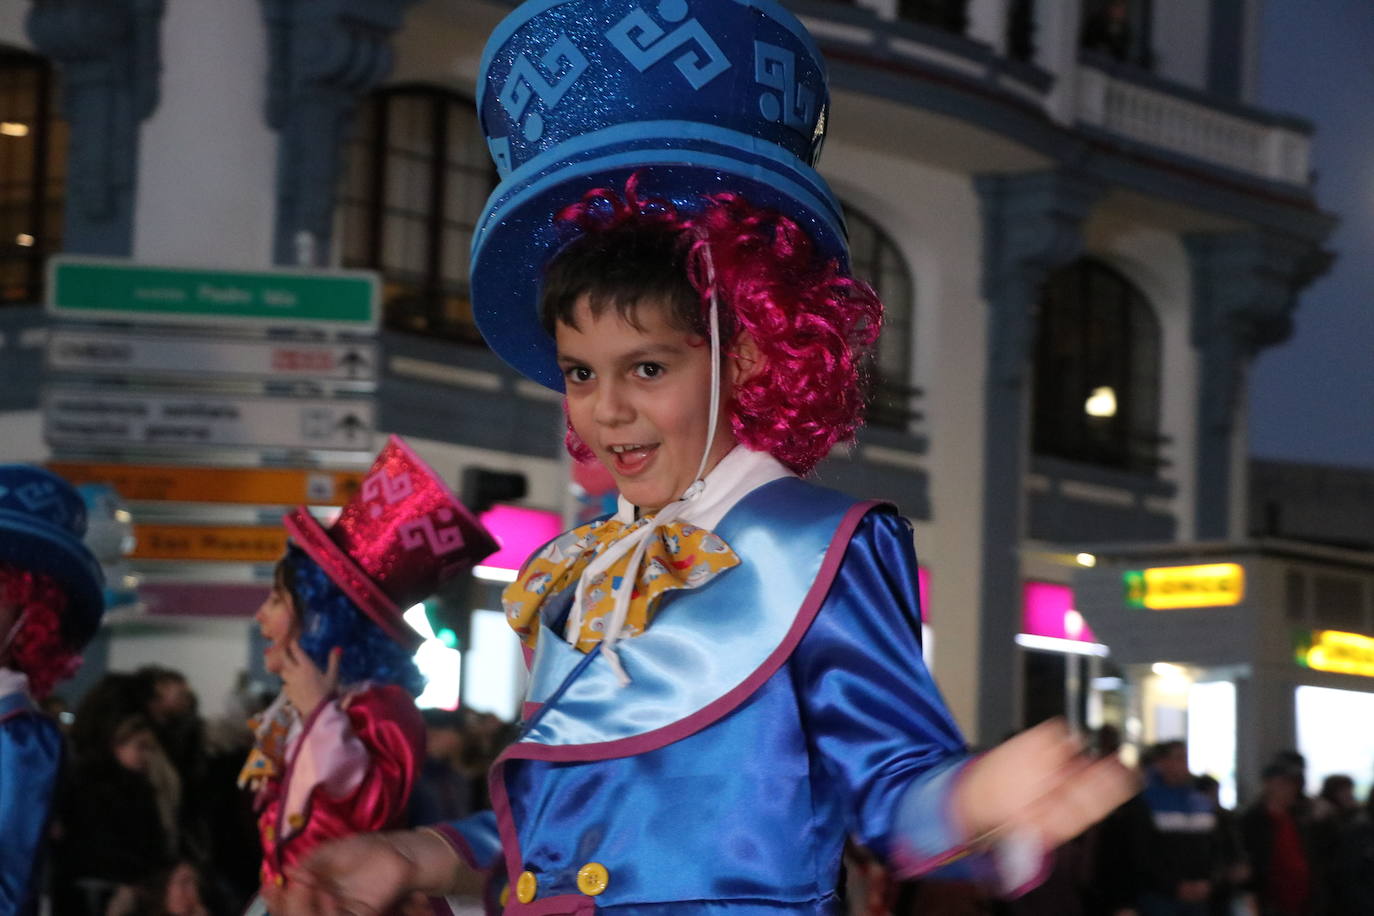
813,324
38,648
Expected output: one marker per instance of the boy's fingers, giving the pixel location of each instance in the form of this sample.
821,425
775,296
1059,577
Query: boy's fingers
1085,796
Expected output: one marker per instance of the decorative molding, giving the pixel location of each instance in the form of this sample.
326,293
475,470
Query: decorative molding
108,54
1245,288
1032,224
324,56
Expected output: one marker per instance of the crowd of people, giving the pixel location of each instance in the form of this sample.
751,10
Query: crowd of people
148,817
1175,850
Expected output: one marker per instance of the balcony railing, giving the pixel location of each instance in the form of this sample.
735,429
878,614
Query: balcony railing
1146,109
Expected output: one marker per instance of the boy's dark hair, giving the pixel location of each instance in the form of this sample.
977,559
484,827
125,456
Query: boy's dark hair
622,267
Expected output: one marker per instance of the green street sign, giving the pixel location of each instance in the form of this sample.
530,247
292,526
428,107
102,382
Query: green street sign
105,290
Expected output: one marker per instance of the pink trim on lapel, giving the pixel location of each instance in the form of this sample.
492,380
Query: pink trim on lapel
688,725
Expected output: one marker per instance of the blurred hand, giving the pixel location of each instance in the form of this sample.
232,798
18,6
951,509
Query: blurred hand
1040,780
305,684
361,875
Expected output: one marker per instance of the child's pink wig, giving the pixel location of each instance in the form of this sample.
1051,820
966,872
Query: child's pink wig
813,324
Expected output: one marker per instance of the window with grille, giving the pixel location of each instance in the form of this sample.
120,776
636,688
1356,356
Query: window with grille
875,259
1096,396
417,176
33,174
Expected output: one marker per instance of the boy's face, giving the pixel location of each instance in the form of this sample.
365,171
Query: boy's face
640,399
276,619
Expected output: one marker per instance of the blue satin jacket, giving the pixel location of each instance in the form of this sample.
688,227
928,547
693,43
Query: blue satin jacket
30,758
773,712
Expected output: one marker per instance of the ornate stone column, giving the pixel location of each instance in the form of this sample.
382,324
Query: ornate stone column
1245,287
107,53
325,55
1032,224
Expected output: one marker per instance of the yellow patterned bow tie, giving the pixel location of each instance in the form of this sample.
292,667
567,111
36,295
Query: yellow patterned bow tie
678,555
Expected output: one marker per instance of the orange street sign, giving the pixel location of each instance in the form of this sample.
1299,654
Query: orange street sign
260,486
229,543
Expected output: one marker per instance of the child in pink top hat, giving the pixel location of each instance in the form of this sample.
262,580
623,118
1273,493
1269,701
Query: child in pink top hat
337,752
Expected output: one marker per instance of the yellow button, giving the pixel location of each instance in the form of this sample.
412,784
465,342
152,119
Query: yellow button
295,821
505,896
525,887
280,880
269,833
592,878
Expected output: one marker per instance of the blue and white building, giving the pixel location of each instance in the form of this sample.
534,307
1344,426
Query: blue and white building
1083,228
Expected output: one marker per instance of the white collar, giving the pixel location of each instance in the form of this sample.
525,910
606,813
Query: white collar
739,473
12,682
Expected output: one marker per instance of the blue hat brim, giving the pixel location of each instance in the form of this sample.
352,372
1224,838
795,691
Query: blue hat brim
36,546
517,235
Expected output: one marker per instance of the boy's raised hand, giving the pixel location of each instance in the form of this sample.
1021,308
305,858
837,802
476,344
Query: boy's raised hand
1040,780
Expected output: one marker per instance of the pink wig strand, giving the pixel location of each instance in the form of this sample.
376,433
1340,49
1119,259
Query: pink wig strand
812,323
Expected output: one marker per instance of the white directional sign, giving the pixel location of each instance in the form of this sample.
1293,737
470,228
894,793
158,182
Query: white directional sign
81,417
159,354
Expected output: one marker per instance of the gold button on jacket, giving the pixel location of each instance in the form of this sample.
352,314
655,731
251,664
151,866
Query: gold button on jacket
526,886
592,878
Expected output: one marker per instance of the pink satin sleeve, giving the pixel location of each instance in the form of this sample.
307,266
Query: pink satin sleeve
356,764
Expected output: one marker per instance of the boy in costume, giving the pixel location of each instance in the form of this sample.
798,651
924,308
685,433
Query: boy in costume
50,607
725,675
338,751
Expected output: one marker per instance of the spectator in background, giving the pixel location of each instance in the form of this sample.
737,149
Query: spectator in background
1277,841
177,771
444,789
1233,868
112,839
1180,853
1342,849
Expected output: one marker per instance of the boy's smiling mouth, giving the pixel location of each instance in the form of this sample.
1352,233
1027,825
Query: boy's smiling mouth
632,458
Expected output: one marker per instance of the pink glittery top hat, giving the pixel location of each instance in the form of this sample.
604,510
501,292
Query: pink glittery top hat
402,536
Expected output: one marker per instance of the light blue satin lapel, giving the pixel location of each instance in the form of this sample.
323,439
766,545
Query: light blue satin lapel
702,643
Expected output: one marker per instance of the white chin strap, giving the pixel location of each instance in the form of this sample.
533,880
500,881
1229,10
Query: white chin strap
638,540
14,631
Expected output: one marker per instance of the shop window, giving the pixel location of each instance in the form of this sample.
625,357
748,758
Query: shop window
1120,29
1096,374
33,174
417,177
875,259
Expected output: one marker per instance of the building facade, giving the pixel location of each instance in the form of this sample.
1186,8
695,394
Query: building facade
1083,229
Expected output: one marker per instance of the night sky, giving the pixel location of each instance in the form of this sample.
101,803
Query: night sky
1312,398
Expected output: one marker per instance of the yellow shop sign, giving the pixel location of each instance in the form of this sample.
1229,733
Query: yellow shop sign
1165,588
1332,650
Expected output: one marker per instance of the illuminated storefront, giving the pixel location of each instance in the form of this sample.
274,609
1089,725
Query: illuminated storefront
1243,650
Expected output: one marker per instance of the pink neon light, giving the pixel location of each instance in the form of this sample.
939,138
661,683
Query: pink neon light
1047,610
519,532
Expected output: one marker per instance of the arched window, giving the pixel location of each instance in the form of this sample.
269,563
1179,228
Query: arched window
417,176
1096,370
33,174
876,260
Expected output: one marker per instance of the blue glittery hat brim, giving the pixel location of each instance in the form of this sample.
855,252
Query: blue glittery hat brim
34,545
517,236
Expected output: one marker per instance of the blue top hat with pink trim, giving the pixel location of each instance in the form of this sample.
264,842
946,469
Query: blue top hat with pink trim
694,96
42,521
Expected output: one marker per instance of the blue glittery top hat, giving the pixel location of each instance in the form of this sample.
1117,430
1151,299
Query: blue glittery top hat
695,96
42,521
